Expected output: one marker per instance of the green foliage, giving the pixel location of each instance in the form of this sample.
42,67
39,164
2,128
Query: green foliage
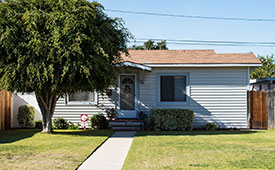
62,46
210,126
60,123
38,124
172,119
26,114
56,47
266,70
150,45
99,121
73,126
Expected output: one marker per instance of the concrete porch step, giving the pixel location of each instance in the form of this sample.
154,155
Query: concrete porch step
127,128
127,123
124,125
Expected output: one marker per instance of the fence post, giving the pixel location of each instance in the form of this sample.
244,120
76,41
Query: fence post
2,115
251,108
264,110
273,110
5,110
248,108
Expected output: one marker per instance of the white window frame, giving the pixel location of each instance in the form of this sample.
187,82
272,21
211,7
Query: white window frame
173,103
83,102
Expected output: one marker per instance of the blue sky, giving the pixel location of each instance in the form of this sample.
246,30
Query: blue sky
143,26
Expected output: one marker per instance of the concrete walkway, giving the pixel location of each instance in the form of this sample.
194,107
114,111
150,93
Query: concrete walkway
111,155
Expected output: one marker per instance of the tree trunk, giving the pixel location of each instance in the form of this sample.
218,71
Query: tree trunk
47,103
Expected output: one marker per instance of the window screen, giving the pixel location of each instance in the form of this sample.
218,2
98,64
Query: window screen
82,97
173,88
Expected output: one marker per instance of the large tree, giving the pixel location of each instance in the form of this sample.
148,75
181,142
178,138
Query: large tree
56,47
266,70
151,45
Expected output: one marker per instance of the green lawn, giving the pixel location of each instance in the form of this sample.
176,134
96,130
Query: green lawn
202,150
65,149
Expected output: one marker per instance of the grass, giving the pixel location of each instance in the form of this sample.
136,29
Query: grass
64,149
202,150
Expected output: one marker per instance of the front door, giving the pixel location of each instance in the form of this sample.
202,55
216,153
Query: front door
127,96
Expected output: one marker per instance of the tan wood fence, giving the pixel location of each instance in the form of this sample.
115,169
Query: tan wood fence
5,110
261,108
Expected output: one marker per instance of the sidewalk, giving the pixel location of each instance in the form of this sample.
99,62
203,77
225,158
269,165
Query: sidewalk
111,155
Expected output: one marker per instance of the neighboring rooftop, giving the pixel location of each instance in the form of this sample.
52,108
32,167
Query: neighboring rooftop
270,80
188,57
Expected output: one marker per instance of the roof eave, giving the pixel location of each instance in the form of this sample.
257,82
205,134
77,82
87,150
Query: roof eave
206,65
139,66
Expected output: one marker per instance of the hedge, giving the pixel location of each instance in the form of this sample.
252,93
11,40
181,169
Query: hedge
172,119
99,121
60,123
26,115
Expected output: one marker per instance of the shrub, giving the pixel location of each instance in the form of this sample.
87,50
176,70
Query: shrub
172,119
73,126
99,121
38,124
60,123
26,114
210,126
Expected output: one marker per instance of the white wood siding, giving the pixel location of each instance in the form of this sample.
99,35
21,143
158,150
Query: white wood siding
216,94
72,112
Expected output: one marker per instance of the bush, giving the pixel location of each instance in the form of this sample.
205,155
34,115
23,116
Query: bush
38,124
210,126
73,126
172,119
60,123
99,121
26,114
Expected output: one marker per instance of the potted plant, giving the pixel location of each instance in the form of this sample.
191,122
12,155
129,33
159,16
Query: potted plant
111,114
141,115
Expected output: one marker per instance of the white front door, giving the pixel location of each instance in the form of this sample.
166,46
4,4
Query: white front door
127,96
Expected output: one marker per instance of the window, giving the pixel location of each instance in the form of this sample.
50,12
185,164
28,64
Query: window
82,98
173,89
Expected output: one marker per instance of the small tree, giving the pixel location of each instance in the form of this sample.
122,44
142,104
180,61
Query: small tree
150,45
56,47
266,70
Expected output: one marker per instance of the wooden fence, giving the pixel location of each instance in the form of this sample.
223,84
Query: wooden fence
261,106
5,110
271,109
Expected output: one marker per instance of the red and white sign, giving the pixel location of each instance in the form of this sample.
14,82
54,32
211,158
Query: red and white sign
84,120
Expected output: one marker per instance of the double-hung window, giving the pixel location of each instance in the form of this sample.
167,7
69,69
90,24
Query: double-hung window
173,89
86,97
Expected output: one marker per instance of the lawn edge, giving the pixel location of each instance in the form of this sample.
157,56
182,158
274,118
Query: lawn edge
95,150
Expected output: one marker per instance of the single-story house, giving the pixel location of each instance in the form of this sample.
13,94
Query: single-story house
213,85
263,84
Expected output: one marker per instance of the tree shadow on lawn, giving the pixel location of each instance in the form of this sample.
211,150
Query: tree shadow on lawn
9,136
195,133
97,132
